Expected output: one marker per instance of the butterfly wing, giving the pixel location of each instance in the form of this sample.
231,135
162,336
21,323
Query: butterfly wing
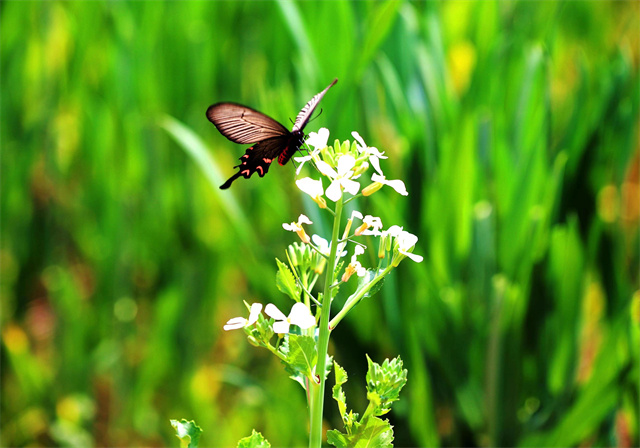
303,117
241,124
258,158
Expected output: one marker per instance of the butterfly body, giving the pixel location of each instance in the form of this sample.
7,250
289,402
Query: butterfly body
270,139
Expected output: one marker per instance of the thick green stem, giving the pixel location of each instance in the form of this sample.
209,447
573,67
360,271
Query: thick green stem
317,394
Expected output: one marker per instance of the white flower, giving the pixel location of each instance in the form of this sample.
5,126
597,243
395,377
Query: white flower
372,152
323,246
239,322
397,184
354,267
367,222
341,179
405,242
299,315
297,227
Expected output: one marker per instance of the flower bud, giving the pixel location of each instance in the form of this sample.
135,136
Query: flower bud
364,166
371,188
303,235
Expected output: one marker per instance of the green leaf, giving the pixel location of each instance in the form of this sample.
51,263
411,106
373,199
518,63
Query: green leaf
301,356
286,282
384,383
338,393
364,281
255,440
188,433
373,432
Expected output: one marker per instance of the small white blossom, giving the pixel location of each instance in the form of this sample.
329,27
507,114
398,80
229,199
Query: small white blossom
239,322
374,154
297,227
324,247
340,179
354,267
299,315
371,225
406,242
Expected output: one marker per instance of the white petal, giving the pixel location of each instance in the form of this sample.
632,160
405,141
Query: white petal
398,185
255,313
360,142
356,214
394,231
406,240
323,245
375,177
375,162
290,227
273,311
374,152
301,316
303,159
302,219
334,192
281,327
326,169
310,186
318,139
351,186
414,257
359,250
345,164
235,323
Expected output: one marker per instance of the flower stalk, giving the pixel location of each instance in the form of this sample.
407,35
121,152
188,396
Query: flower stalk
317,397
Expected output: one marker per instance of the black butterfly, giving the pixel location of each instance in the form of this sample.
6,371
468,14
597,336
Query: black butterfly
241,124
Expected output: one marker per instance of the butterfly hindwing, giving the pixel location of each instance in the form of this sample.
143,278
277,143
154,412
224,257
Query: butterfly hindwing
258,158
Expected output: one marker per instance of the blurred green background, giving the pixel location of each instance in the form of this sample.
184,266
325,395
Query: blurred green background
513,124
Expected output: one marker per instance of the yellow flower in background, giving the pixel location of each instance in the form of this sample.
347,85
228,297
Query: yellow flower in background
461,60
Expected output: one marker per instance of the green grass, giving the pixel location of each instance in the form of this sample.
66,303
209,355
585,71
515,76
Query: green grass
513,124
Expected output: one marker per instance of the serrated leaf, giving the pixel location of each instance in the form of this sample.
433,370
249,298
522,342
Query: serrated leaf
286,282
384,383
255,440
188,433
338,393
373,432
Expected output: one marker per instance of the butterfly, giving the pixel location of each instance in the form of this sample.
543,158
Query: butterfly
270,139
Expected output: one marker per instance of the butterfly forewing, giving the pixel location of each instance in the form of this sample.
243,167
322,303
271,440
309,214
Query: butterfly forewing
241,124
303,117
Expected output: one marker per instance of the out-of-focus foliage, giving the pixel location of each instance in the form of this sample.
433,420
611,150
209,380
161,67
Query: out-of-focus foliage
514,125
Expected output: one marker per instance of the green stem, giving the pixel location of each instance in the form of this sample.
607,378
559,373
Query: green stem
317,395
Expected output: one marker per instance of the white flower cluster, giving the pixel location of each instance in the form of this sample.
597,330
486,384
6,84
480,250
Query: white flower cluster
345,177
300,315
